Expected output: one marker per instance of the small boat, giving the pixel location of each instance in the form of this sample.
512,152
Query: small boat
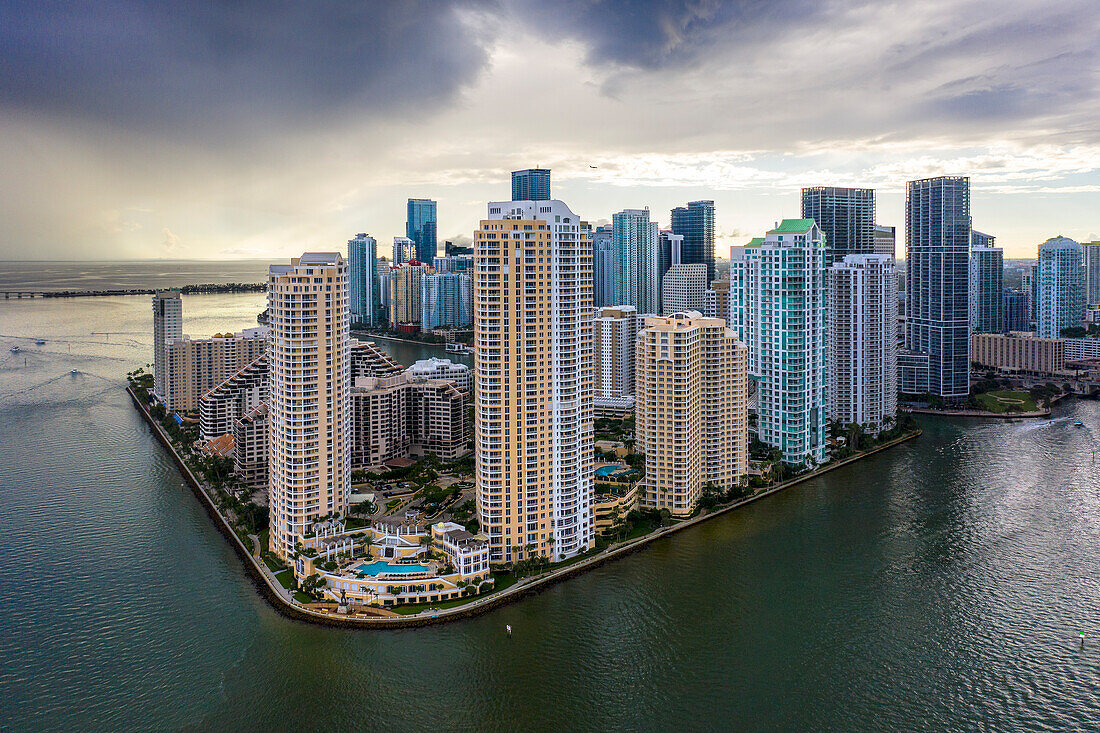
15,349
40,342
73,371
1078,424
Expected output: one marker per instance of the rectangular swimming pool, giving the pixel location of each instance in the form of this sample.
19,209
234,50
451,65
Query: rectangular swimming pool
379,566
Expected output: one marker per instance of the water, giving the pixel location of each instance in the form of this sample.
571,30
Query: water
939,586
123,275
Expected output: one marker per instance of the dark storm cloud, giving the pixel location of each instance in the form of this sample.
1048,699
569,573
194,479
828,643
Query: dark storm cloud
181,64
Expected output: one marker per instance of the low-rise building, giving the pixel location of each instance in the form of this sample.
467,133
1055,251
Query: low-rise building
435,368
468,553
610,509
1019,353
1082,348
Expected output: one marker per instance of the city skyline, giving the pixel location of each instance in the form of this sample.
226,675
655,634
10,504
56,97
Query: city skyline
246,153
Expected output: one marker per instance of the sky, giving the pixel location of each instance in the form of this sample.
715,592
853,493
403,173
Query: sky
262,130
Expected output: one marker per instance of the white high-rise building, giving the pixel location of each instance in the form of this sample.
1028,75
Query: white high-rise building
1060,286
777,291
684,288
614,330
533,370
167,327
862,330
310,468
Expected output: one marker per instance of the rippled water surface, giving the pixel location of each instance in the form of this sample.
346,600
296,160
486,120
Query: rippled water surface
939,586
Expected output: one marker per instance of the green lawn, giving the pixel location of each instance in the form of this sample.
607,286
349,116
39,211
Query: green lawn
1007,401
285,578
303,598
273,564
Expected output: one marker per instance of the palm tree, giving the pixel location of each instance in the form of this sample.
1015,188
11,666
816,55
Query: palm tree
369,543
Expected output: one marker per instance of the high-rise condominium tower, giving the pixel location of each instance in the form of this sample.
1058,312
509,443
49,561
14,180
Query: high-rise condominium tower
363,299
1061,286
603,266
937,300
690,409
446,301
420,227
1092,272
404,250
986,285
861,325
684,288
614,331
777,291
634,239
695,223
167,327
405,294
532,184
846,217
885,239
309,469
533,365
1017,315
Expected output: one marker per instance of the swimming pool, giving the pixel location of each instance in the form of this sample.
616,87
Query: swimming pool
608,470
378,567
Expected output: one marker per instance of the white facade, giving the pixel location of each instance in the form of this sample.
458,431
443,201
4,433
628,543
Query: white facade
310,468
862,332
167,327
1060,286
684,288
435,368
614,330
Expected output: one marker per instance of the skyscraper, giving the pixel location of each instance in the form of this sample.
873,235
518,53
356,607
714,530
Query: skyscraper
634,242
695,223
1061,286
364,300
1092,272
846,217
404,250
167,327
862,334
684,288
532,184
690,409
603,266
670,251
937,300
405,293
533,366
309,469
614,330
885,240
1017,317
420,227
777,291
446,301
986,285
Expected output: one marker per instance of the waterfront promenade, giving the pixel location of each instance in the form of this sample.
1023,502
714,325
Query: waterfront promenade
283,600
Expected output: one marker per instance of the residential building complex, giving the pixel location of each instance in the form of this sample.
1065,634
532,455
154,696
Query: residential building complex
420,227
1092,272
532,184
405,294
435,368
309,466
220,407
404,250
885,240
846,217
670,251
691,419
986,287
1016,314
695,223
603,266
395,416
1018,353
634,239
167,327
862,334
533,372
446,301
364,299
615,329
366,359
777,291
1060,286
196,366
937,300
250,446
684,288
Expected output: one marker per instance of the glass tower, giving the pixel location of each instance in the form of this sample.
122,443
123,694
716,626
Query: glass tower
1017,317
1092,272
532,184
603,266
695,222
420,227
1060,282
986,285
634,243
846,217
363,297
937,300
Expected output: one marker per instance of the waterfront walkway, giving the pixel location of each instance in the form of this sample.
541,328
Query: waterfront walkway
284,601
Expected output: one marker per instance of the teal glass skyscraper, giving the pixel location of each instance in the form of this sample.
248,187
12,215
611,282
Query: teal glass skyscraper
532,184
420,227
846,217
364,301
986,285
634,247
695,223
1061,286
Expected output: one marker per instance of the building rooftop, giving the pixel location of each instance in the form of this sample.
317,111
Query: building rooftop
793,226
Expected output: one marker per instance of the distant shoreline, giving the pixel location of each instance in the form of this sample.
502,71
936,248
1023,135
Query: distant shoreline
200,289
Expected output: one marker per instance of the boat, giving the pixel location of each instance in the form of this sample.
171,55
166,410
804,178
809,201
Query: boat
15,349
73,371
40,342
1078,424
